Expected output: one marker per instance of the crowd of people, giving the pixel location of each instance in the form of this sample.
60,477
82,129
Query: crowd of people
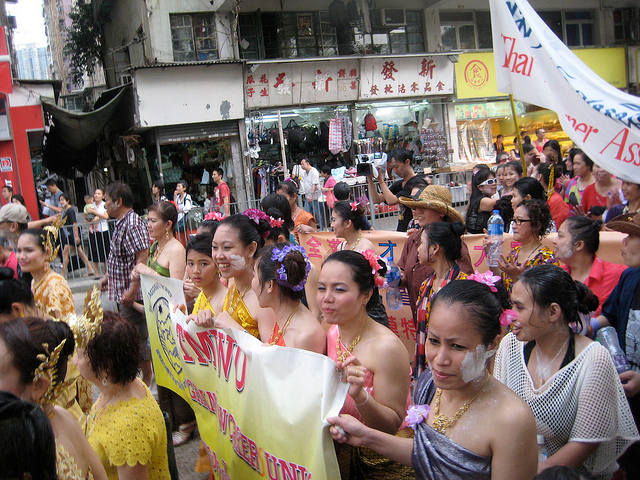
505,381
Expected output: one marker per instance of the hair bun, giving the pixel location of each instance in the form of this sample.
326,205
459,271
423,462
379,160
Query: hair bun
6,273
458,228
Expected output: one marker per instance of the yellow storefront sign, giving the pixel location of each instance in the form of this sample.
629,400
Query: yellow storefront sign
476,74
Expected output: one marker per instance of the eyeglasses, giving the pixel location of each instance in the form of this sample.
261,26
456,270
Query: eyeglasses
489,181
520,221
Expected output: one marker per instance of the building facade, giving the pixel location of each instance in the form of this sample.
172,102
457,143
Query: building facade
33,62
254,85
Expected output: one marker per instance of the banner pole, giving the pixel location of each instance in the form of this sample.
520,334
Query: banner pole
515,123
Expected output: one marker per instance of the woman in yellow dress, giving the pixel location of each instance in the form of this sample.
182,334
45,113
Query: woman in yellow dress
235,245
125,426
53,298
33,361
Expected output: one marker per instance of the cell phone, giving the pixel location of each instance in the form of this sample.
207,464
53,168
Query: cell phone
573,200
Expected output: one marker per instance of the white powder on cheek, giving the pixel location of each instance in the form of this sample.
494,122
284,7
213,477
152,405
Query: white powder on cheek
474,363
237,262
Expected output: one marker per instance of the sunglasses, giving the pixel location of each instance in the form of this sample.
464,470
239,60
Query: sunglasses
489,181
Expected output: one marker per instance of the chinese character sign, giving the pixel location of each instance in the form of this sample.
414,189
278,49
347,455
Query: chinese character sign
298,83
406,77
536,67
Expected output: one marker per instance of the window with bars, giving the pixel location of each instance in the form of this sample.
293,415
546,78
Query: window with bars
193,37
404,37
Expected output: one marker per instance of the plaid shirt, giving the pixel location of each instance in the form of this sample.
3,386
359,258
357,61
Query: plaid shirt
129,237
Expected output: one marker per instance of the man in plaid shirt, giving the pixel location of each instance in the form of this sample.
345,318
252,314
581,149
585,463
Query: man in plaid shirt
129,246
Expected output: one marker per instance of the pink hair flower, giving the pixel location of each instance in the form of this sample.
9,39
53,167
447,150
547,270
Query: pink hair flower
488,278
354,206
214,216
507,316
417,414
256,215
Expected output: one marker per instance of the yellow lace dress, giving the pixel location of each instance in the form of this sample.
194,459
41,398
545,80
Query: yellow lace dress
66,466
130,432
235,306
54,298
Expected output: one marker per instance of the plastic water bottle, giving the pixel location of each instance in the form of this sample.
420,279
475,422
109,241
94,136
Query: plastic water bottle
542,450
394,295
495,228
608,337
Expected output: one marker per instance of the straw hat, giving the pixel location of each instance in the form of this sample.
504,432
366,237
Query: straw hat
434,197
628,223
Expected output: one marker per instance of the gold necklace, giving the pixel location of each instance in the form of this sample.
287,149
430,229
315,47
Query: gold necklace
237,299
441,422
284,328
353,247
535,250
158,251
342,356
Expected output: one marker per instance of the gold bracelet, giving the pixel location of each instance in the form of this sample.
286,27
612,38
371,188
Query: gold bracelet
362,403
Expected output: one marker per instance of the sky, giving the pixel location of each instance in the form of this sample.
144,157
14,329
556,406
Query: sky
30,22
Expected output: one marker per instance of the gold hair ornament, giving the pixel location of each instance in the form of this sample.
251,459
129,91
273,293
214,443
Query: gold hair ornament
51,238
87,326
552,184
48,369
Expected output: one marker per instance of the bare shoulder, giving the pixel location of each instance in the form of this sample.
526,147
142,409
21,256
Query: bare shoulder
67,422
388,347
582,342
176,247
507,410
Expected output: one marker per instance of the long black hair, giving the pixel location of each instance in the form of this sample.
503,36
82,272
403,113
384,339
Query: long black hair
448,236
344,210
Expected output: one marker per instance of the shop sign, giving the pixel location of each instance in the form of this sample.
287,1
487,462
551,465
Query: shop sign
397,77
476,73
6,164
299,83
495,109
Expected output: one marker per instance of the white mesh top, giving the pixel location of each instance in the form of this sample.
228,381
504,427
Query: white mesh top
582,402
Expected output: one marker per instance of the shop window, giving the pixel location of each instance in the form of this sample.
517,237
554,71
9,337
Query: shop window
465,30
575,28
193,37
248,35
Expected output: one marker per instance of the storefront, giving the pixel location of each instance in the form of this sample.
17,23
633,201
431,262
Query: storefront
346,111
482,112
200,133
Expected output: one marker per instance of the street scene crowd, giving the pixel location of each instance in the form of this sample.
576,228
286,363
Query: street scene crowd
506,380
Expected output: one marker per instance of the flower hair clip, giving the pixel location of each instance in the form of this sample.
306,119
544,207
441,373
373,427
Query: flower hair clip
278,255
276,222
354,206
217,216
373,259
487,278
256,215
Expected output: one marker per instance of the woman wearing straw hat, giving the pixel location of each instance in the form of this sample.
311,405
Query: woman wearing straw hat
431,204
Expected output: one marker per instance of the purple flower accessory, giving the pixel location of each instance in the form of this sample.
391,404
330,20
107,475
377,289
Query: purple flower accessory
507,316
278,255
256,215
416,415
488,278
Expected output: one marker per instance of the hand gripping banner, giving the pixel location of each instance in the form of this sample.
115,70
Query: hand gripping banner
260,408
535,66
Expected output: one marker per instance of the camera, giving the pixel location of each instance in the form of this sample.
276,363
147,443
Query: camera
368,162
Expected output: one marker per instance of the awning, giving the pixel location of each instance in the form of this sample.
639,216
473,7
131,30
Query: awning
71,139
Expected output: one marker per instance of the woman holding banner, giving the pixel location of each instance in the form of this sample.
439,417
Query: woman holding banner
467,424
371,358
279,280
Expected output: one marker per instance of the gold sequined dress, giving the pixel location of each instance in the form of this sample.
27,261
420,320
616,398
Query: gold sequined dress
66,466
235,306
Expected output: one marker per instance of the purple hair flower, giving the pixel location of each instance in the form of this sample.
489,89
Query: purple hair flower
278,255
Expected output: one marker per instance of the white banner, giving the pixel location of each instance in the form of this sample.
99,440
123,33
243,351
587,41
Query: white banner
536,67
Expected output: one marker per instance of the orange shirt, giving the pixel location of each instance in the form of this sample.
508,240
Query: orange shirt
602,279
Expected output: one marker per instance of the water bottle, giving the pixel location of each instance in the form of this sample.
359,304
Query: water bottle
608,337
392,282
495,228
542,450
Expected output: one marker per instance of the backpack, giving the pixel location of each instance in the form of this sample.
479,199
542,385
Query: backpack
370,124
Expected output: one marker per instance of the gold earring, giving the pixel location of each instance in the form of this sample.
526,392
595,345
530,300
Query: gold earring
167,234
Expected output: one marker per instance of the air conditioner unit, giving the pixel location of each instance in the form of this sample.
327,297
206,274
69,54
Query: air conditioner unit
125,78
392,17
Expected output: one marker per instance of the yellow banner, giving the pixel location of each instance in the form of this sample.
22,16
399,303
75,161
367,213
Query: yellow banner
389,245
476,73
260,408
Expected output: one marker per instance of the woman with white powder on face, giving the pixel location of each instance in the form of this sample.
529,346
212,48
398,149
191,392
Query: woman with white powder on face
569,381
235,244
467,424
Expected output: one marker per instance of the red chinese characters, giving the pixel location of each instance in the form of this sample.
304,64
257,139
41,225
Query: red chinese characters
250,79
408,328
388,69
427,67
279,79
353,72
313,248
414,87
402,89
354,85
334,243
440,86
251,91
374,90
264,79
342,73
388,88
264,92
